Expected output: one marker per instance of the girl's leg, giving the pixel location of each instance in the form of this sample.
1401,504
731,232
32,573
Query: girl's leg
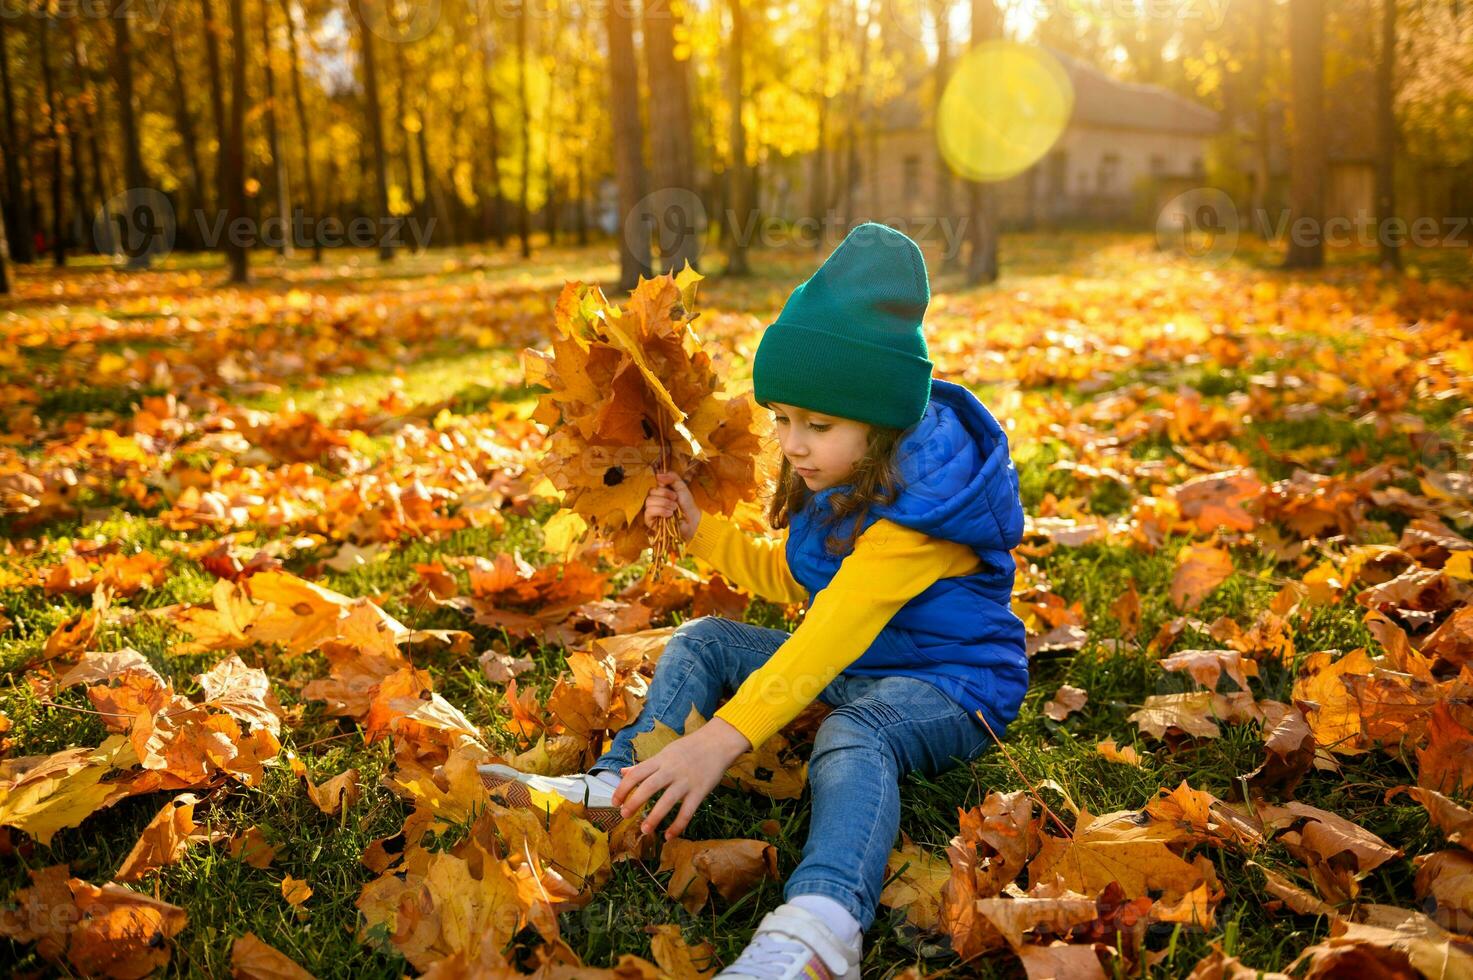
705,660
884,728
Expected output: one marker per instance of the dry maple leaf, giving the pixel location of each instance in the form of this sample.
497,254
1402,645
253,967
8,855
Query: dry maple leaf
1200,568
251,846
109,931
995,841
1391,942
1454,820
915,880
43,794
676,958
631,392
1117,847
1337,852
1126,755
1065,702
733,867
252,959
1446,763
1220,500
1444,886
163,842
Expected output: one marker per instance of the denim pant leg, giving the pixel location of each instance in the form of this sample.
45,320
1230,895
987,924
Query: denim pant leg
705,661
883,728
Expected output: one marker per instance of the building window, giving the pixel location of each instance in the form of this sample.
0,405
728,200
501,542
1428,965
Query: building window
912,177
1108,170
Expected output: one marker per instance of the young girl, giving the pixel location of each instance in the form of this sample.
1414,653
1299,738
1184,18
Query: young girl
898,502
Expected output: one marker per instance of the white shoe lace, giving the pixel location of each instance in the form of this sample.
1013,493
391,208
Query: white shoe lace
769,951
588,790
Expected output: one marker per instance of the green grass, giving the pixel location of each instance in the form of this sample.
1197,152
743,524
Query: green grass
225,898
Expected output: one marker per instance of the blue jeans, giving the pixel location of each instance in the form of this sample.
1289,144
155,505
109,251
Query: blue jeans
880,728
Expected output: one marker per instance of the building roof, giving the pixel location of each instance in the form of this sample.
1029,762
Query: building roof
1099,100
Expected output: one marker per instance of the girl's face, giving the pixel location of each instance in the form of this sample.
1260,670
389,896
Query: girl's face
821,448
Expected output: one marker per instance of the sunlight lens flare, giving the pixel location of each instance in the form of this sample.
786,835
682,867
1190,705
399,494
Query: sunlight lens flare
1004,106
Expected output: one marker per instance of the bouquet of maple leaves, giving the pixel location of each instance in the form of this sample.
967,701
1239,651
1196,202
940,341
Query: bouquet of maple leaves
631,393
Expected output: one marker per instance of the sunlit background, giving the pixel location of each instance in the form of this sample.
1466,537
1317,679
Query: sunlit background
677,130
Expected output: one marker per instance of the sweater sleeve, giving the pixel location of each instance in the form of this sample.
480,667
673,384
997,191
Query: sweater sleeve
889,566
758,566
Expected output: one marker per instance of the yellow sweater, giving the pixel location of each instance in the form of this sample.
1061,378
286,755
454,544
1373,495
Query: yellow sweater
890,565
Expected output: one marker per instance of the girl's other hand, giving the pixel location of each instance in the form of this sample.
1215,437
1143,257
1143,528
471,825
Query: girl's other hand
683,773
672,497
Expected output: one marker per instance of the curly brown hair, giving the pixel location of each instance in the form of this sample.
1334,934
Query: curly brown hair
875,479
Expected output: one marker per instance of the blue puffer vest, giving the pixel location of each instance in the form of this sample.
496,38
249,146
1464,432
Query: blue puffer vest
959,483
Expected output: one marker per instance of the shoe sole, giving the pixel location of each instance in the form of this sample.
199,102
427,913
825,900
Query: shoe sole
605,818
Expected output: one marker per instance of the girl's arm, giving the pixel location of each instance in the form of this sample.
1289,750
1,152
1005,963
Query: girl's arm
890,565
758,566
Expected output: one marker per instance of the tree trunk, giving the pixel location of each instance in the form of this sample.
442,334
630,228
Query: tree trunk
672,161
133,172
524,231
4,245
53,124
184,119
818,189
1306,249
102,231
273,136
1262,173
15,195
376,129
1390,251
982,262
739,216
496,213
628,134
856,98
217,96
237,247
303,133
945,182
581,191
549,209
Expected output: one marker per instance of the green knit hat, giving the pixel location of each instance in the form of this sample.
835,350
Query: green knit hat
848,341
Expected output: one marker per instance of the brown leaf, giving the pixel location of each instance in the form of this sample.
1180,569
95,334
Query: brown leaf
252,959
732,866
1337,852
1200,568
1127,755
164,841
295,890
251,846
119,932
1444,885
336,794
1446,764
1454,820
676,958
1066,701
917,889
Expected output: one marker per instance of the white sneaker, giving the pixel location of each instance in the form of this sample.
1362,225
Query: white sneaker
594,793
791,943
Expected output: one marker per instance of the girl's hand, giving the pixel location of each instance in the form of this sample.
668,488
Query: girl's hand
672,496
686,769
